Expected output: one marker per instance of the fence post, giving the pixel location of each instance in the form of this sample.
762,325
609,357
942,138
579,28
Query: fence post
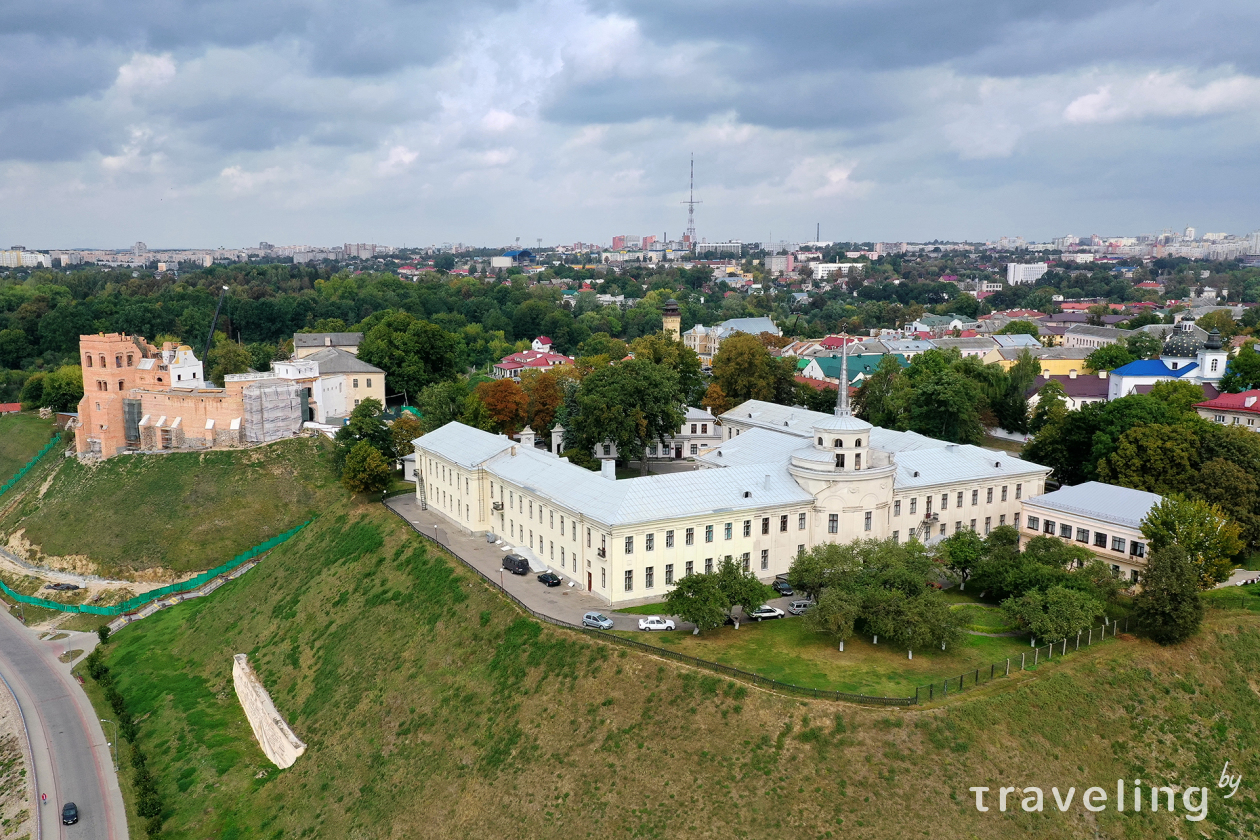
1036,656
931,692
1091,637
1021,661
992,670
1078,639
1050,654
1008,666
977,676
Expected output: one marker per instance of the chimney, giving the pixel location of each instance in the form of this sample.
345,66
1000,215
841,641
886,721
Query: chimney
557,439
608,469
767,482
1102,374
527,437
1072,374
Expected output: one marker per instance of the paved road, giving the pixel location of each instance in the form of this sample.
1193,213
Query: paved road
564,602
72,758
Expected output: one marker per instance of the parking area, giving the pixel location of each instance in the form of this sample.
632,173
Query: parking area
564,602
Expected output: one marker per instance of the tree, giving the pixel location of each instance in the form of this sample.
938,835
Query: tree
740,587
1053,614
1108,357
1179,395
834,614
1200,529
14,348
662,349
1169,608
32,395
1220,320
1011,407
1243,373
1051,406
542,388
444,263
715,400
403,431
885,396
366,470
745,370
1235,489
960,552
225,358
1020,328
506,403
824,565
63,388
1157,458
629,404
1142,345
442,403
366,424
413,353
946,407
697,598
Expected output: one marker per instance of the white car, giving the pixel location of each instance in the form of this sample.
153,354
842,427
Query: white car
765,612
655,622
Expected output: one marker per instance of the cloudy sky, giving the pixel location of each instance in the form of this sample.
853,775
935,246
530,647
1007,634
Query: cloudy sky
226,122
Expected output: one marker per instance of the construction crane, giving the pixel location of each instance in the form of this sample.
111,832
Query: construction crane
214,322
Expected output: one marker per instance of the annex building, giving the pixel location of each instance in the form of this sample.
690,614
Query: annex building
780,482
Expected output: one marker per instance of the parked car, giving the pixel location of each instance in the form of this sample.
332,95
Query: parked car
765,612
549,579
69,814
655,622
597,620
516,564
782,587
799,607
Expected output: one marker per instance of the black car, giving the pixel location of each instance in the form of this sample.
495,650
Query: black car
69,814
549,579
516,564
781,586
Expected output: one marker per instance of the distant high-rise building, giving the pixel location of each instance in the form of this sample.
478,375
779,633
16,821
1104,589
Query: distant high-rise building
138,249
1189,233
1018,274
618,243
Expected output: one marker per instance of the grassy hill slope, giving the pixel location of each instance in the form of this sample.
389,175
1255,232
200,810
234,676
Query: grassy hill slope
432,709
182,511
21,436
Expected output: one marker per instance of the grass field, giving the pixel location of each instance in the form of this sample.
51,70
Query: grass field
21,436
181,512
786,651
432,709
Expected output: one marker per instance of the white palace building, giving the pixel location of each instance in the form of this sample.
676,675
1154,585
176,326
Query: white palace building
783,480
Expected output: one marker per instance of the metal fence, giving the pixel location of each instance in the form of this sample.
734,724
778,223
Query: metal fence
999,670
139,601
1240,603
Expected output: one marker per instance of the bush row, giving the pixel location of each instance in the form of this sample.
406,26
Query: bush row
148,799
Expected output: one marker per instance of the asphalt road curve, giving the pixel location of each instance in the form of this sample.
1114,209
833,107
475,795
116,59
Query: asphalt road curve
72,757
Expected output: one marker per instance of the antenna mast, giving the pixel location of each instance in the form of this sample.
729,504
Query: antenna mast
691,205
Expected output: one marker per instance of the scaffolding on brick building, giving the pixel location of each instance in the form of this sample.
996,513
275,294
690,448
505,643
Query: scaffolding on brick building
273,410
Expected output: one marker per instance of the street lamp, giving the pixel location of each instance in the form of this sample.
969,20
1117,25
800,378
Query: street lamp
115,743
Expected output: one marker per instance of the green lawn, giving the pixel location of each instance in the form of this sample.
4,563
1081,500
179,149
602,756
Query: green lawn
657,608
786,651
181,512
21,436
433,709
984,619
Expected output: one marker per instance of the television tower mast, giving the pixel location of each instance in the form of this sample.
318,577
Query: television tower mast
691,205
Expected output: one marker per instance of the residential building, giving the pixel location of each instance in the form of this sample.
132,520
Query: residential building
1059,361
699,433
784,480
1091,338
706,340
304,344
1079,389
977,346
859,367
512,365
782,264
939,325
1104,518
1242,409
1018,274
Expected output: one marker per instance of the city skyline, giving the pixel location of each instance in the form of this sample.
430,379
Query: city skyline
567,120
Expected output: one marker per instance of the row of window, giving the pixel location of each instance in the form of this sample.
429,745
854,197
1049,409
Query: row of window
689,568
728,532
1082,535
958,499
356,384
1220,418
118,360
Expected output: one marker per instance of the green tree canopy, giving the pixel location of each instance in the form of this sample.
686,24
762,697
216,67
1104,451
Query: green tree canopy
697,598
1243,373
365,470
835,613
1109,357
1055,613
630,404
745,370
1201,530
413,353
366,424
1169,608
1020,328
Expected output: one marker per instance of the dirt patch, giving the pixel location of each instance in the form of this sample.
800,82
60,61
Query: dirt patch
16,778
70,656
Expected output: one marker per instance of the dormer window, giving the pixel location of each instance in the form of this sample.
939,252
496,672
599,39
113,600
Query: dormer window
820,443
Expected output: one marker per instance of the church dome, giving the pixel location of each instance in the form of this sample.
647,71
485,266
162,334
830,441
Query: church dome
1181,345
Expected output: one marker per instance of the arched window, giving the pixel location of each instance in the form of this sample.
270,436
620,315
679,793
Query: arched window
837,443
89,360
90,364
857,442
103,360
118,360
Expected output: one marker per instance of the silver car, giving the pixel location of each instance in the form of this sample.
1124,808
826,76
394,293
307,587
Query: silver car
597,620
799,607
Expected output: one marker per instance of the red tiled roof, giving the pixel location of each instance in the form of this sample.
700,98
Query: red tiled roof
10,408
1246,401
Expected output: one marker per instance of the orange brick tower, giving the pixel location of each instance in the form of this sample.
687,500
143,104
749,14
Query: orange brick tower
111,368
